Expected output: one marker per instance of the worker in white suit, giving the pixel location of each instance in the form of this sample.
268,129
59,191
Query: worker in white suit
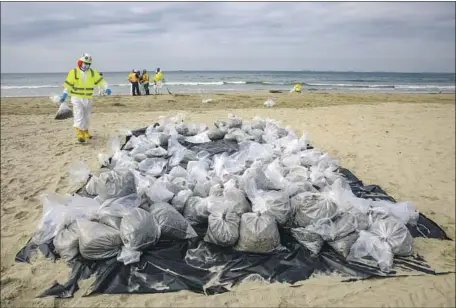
80,84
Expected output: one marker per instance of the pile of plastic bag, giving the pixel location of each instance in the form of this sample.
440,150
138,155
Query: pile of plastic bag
244,181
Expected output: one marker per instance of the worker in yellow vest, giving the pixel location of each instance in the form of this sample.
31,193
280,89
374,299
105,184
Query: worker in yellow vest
133,78
80,84
297,88
144,80
158,81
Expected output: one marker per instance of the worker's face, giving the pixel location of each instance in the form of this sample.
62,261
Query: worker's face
85,66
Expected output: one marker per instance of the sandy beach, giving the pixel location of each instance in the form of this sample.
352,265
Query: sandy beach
403,142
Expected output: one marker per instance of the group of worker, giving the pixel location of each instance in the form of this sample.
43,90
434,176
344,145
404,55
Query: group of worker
82,80
136,79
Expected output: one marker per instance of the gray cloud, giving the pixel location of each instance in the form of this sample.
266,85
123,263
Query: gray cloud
389,36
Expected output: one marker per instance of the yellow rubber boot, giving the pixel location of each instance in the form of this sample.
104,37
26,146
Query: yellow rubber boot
87,135
80,135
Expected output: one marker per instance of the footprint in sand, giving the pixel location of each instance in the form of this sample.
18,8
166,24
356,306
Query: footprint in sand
21,214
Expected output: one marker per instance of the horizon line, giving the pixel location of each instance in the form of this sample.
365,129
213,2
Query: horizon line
294,71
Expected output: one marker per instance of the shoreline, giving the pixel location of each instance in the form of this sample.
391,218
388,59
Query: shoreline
270,91
193,102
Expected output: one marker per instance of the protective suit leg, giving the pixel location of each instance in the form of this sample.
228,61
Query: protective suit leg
81,113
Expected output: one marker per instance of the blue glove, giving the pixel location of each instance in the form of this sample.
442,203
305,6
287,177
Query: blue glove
63,97
108,92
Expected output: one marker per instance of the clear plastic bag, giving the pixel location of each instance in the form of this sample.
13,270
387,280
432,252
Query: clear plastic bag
142,183
238,135
153,166
274,173
344,244
199,138
128,256
297,174
115,183
171,222
223,228
274,203
156,152
311,207
139,230
140,157
98,241
240,203
64,112
369,244
216,134
55,215
79,172
66,241
310,240
258,233
119,207
92,186
176,151
405,211
158,192
180,199
232,122
178,172
395,233
269,103
196,210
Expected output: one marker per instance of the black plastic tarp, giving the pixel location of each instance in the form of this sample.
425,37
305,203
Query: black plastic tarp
202,267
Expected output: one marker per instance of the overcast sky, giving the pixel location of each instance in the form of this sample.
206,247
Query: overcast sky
369,36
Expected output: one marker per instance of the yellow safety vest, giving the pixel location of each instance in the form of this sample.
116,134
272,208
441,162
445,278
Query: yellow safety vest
145,78
82,88
158,76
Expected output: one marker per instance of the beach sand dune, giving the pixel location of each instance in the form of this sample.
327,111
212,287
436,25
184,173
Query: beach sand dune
404,143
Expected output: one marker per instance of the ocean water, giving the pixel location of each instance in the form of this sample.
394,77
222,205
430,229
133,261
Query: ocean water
246,81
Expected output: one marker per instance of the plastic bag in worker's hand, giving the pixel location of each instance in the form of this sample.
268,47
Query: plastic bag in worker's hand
98,241
258,233
310,240
395,233
223,228
64,112
369,244
139,230
172,224
66,242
